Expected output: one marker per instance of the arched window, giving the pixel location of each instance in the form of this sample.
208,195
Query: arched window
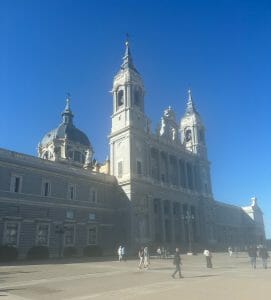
77,156
188,135
45,155
120,98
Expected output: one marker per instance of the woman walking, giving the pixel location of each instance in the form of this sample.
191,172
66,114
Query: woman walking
177,263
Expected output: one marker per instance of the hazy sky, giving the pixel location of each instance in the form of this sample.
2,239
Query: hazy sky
219,49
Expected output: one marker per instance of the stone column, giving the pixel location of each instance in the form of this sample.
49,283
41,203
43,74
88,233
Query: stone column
172,221
148,171
186,175
177,171
151,218
167,170
159,165
163,221
182,223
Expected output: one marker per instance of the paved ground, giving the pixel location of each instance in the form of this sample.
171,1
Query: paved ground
231,278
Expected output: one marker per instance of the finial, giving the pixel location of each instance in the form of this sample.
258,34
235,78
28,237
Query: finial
67,113
68,100
190,105
189,95
127,39
127,59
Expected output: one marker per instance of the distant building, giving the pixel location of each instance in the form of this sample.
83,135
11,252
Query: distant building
154,189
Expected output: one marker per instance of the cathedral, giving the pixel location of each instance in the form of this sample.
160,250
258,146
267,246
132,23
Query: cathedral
153,189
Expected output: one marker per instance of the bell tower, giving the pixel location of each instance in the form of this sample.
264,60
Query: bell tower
128,96
192,129
128,118
193,138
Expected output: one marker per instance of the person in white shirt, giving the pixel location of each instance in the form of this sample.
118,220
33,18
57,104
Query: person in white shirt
207,253
120,253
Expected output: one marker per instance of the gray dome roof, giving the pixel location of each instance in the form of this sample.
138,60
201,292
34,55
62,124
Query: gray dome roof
69,131
66,130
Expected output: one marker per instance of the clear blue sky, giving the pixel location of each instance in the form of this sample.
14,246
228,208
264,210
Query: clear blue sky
221,49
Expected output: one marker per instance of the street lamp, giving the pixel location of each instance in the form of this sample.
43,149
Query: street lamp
188,217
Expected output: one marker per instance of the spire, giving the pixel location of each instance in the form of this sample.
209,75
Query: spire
190,108
67,114
127,59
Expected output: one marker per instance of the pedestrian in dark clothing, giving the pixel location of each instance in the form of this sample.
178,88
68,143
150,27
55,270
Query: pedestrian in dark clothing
252,253
263,253
177,262
207,253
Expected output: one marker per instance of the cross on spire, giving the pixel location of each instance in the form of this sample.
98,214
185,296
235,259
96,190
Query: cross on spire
127,59
190,108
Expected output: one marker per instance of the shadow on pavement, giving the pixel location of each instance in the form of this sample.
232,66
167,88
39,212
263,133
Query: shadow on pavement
197,276
7,291
55,261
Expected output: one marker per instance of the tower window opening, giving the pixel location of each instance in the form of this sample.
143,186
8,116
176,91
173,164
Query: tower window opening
188,135
139,168
137,98
120,98
77,156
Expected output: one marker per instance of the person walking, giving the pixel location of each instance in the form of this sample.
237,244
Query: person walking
146,258
263,253
123,253
230,251
141,257
208,255
252,253
159,252
120,253
177,262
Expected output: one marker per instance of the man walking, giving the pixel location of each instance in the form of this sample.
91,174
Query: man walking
120,253
141,257
177,263
123,253
207,253
263,253
146,257
252,253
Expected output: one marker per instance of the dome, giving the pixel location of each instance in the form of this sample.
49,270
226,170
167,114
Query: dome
68,131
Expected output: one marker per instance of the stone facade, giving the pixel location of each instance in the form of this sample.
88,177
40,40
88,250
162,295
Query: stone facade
155,188
37,196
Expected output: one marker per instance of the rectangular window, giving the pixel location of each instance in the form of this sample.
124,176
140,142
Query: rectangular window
69,235
92,235
138,168
42,238
46,188
70,214
16,184
12,233
91,216
176,209
120,169
93,195
72,192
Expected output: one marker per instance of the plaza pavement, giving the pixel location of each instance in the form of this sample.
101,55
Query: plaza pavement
231,278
